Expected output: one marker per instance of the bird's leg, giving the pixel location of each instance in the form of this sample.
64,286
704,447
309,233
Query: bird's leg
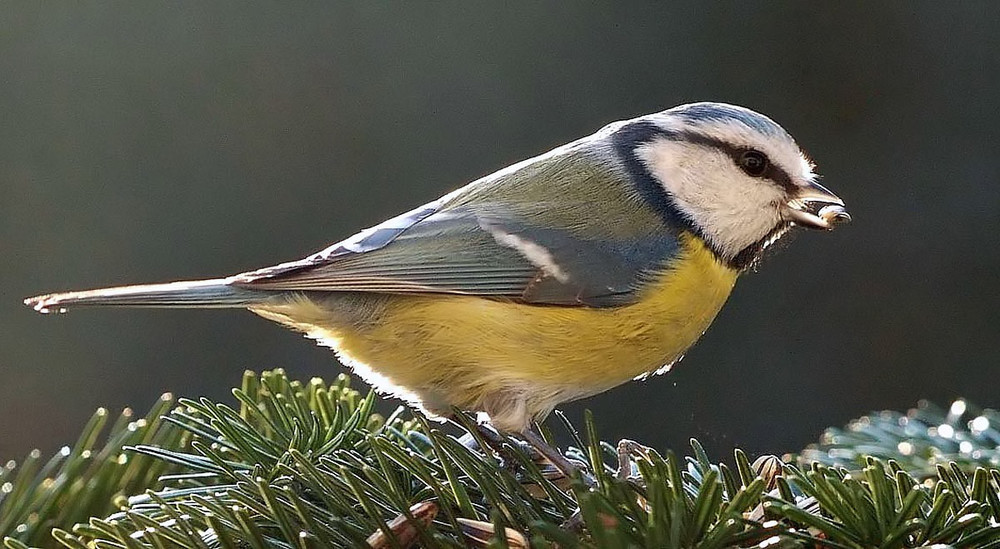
501,446
496,443
559,461
567,468
493,440
553,465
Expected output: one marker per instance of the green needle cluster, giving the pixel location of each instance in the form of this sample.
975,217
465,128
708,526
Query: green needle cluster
303,465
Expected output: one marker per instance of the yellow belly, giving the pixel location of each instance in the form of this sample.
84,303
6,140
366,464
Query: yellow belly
518,361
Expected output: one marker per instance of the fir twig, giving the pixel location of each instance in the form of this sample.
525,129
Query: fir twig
88,479
920,440
311,465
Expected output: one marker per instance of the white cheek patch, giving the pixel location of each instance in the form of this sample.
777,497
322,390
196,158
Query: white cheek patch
732,209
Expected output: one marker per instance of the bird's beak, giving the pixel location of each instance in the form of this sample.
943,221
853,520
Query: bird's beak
815,207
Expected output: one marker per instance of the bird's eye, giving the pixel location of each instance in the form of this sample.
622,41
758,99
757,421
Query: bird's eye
754,163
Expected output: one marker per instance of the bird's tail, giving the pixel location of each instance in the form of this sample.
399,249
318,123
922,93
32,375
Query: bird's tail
191,294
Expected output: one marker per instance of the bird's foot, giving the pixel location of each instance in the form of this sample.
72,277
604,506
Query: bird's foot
566,467
626,465
555,467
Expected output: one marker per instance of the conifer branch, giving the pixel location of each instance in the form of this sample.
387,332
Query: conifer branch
312,465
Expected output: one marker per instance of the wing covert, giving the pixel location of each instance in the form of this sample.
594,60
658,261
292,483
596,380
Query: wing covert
577,236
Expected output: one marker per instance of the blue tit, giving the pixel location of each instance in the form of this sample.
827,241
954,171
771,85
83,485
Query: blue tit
556,278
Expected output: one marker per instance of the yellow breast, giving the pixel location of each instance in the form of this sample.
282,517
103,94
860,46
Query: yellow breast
445,350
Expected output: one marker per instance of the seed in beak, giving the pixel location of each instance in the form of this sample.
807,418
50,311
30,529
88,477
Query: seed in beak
834,214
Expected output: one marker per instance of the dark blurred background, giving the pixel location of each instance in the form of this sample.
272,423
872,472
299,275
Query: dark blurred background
147,142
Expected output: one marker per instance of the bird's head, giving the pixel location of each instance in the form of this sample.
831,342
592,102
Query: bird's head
734,176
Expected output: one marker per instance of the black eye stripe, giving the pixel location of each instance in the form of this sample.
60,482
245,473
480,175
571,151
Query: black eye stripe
633,135
627,139
773,172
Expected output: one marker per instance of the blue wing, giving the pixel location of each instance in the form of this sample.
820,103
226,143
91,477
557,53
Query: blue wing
460,251
537,250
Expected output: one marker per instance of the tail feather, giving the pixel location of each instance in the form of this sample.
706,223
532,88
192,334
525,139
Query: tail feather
194,294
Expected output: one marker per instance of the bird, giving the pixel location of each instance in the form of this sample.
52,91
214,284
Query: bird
554,279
